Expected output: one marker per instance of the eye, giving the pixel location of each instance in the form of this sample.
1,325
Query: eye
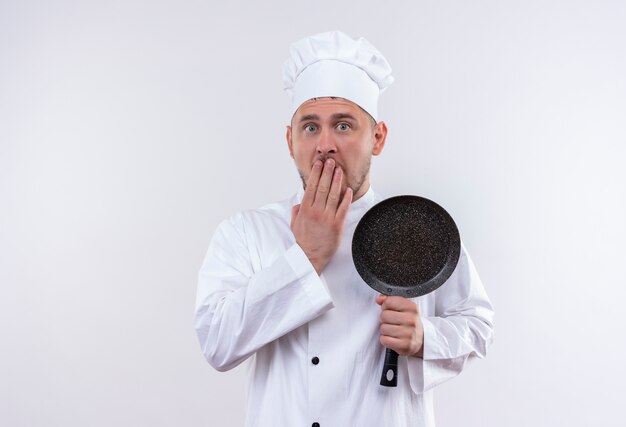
310,128
343,127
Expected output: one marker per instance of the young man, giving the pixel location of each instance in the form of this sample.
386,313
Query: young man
278,283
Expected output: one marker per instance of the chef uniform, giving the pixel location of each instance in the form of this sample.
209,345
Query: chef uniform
313,340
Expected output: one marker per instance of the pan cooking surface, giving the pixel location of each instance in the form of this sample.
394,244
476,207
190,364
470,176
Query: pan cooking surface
406,245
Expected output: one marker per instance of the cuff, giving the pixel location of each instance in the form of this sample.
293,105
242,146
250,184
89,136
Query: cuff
313,285
432,370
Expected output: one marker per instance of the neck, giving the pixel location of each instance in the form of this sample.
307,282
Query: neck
362,190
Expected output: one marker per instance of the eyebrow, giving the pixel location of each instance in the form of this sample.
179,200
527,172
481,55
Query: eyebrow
309,117
336,116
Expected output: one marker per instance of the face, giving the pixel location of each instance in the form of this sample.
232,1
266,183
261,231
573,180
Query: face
337,128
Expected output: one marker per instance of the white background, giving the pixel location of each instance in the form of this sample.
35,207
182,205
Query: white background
129,129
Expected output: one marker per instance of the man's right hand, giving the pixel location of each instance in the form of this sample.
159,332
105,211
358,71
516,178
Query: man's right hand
317,223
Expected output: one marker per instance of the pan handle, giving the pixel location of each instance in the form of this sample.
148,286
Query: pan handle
389,377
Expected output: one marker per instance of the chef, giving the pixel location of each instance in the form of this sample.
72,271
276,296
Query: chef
278,287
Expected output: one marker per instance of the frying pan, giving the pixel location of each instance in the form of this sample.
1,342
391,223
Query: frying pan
405,246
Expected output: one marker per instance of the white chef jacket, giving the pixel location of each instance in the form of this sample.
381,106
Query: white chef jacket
260,298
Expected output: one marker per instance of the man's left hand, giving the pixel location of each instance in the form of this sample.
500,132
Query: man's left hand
401,328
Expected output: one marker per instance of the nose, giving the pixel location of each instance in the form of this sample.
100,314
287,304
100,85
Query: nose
326,143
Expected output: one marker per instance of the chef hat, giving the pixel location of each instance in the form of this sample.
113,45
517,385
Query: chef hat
334,64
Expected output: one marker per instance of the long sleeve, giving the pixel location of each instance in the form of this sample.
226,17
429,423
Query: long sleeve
316,338
244,302
461,326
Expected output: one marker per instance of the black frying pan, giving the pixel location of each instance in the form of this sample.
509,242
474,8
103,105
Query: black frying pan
405,246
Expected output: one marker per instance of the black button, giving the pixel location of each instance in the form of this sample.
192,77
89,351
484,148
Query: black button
315,361
315,424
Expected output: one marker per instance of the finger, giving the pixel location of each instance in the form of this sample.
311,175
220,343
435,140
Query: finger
393,318
335,190
380,299
342,210
396,344
400,304
294,213
311,184
323,187
395,331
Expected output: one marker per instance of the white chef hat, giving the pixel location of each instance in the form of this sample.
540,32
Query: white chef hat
334,64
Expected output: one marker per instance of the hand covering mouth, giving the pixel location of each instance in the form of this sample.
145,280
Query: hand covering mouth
323,160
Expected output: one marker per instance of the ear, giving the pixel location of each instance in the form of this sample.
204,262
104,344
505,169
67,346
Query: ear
380,136
289,141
